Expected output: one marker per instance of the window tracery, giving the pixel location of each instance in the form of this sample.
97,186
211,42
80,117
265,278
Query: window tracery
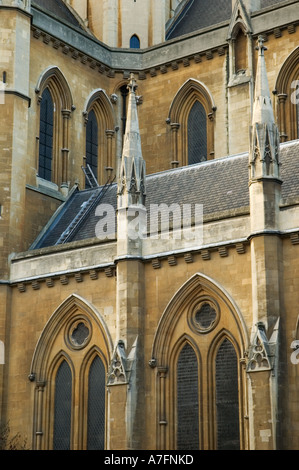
198,351
287,93
191,119
53,93
99,138
69,367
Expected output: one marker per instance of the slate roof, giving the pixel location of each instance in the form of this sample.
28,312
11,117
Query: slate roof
199,14
59,9
219,185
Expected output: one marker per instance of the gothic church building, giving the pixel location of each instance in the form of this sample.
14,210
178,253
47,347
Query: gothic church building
125,328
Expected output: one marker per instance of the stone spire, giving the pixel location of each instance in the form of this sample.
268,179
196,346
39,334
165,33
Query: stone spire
131,184
264,150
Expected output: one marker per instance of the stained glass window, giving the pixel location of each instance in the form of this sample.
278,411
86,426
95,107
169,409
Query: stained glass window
187,400
92,144
63,408
227,402
46,136
96,406
197,134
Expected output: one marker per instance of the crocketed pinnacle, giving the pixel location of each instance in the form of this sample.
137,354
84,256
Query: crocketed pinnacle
132,170
262,108
264,145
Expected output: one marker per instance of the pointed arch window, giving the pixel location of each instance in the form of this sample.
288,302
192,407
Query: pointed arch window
240,52
134,42
92,139
191,120
201,382
99,136
71,363
46,136
96,406
187,400
56,105
287,93
63,408
227,397
197,134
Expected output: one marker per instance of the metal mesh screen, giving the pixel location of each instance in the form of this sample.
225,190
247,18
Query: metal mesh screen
96,406
187,400
46,136
92,144
62,408
227,401
197,134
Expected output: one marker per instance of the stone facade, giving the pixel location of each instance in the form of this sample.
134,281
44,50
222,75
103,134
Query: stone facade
136,310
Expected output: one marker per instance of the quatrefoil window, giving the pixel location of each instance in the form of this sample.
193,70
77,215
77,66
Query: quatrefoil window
78,333
204,315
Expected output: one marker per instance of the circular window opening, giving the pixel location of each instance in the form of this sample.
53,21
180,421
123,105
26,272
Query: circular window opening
205,317
78,334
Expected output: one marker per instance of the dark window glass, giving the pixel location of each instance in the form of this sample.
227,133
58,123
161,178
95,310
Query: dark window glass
124,96
46,136
187,400
197,134
62,408
92,144
96,406
134,42
227,401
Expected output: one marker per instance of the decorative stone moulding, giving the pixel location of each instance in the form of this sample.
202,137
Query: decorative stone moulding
117,371
78,333
262,351
203,314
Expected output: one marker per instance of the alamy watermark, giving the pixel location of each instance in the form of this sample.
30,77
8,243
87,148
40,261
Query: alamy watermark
295,353
295,93
158,221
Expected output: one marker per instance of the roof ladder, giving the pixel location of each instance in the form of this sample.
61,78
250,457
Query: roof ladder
86,207
63,237
90,177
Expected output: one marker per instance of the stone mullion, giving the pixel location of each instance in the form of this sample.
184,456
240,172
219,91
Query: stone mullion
282,97
162,421
40,387
65,150
109,168
174,133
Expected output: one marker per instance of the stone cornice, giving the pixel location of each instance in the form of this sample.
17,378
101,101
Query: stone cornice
16,8
157,260
165,57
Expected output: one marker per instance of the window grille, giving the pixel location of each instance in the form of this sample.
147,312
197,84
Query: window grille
92,145
96,406
62,408
227,402
197,134
46,136
187,400
134,42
